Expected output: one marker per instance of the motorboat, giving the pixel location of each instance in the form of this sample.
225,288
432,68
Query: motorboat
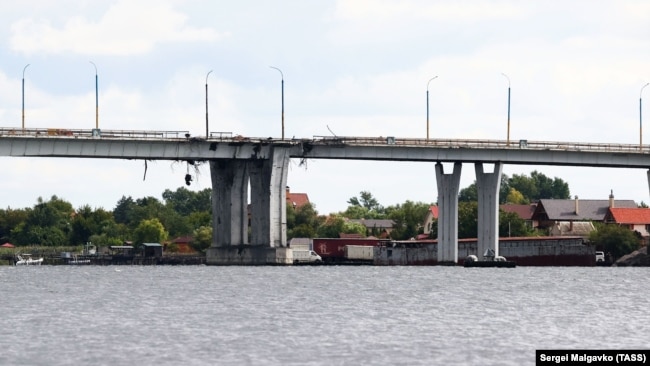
27,260
490,260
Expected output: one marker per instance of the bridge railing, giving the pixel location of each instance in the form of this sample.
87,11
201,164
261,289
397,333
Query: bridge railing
94,133
482,144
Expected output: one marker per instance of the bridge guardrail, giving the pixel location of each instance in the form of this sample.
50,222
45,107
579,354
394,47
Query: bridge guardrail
331,140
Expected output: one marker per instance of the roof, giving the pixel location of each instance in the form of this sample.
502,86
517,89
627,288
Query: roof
621,215
182,239
565,210
297,199
525,212
373,223
579,228
434,211
351,236
152,244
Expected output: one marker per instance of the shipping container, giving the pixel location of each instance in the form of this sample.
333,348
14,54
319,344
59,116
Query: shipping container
332,250
359,252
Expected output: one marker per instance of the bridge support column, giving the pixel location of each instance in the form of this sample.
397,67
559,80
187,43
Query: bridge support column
268,181
487,187
448,185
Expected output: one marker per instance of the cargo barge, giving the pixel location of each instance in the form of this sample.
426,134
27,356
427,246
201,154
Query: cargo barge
524,251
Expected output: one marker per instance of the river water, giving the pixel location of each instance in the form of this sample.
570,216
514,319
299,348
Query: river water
325,315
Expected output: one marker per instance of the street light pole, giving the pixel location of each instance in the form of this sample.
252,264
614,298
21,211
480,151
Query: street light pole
641,117
96,98
508,135
24,96
206,105
428,105
282,76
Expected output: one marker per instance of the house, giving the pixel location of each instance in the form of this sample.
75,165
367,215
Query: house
296,200
432,215
525,212
378,228
154,250
635,219
570,228
549,212
183,244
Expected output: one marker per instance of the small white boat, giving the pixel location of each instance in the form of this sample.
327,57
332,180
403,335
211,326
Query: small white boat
27,260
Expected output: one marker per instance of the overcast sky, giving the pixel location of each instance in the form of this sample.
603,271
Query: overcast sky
355,67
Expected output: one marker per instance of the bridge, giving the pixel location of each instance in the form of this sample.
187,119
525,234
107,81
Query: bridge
237,162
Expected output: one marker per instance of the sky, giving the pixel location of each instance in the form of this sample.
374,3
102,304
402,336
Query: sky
575,69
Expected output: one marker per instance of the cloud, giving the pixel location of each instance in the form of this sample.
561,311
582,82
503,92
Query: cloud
127,28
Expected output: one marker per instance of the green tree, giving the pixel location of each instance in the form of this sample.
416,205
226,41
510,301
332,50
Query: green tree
515,197
302,222
408,219
9,219
201,239
336,224
48,223
467,220
510,224
614,239
367,201
150,231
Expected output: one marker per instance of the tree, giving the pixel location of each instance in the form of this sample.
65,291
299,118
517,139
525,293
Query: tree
150,231
48,223
408,219
467,219
515,197
201,239
366,201
336,224
510,224
302,222
614,239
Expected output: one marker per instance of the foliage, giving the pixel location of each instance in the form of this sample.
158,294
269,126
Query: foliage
510,224
336,224
201,239
615,239
150,231
467,219
365,207
408,219
303,221
537,186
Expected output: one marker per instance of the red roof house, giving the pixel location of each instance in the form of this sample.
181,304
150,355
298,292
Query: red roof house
296,200
635,219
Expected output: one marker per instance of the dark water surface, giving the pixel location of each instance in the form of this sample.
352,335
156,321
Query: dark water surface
198,315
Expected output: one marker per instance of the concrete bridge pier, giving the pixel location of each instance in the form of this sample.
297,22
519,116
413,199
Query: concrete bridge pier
487,187
448,185
230,181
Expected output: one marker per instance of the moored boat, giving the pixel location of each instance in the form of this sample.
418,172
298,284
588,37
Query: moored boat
27,260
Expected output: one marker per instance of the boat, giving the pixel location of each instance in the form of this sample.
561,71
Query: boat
27,260
490,261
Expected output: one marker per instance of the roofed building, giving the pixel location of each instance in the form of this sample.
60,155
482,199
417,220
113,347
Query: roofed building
296,200
525,212
551,211
432,215
635,219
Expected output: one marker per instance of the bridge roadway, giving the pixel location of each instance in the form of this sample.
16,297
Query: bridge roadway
237,161
173,145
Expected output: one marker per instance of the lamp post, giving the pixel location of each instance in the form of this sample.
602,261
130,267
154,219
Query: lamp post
206,105
641,117
96,97
428,105
24,96
282,76
508,135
